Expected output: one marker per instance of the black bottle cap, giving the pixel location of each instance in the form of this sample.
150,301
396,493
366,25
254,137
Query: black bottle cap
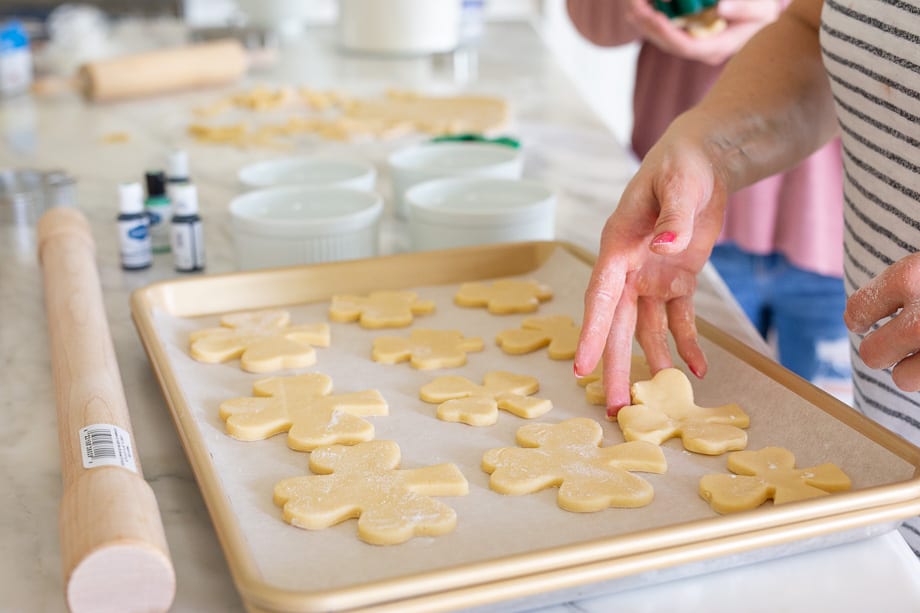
156,183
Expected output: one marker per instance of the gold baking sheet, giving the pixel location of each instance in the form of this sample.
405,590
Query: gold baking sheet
504,546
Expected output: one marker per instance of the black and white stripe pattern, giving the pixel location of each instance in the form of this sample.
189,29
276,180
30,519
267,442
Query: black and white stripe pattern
871,51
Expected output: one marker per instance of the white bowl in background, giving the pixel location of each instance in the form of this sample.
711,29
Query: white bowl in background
426,161
315,171
465,211
288,225
399,27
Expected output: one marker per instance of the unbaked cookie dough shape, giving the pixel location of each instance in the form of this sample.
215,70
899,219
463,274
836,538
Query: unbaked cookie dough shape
594,383
765,474
568,455
461,400
664,409
303,407
363,481
262,340
558,333
386,309
504,296
426,349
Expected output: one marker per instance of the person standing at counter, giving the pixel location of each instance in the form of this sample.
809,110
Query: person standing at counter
822,69
781,247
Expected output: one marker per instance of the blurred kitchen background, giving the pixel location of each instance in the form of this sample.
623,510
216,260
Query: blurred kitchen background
65,35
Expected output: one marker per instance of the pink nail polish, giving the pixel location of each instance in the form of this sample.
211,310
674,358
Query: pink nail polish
664,238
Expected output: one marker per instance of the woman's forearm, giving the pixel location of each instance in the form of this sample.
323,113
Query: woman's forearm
602,21
772,106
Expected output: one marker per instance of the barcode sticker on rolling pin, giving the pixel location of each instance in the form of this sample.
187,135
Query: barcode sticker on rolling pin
106,445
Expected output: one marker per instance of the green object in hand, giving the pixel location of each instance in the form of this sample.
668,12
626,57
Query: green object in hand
477,138
680,8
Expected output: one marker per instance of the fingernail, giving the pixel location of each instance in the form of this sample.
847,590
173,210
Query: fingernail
575,370
612,412
696,372
664,238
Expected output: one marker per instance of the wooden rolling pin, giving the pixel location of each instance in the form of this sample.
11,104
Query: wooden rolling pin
113,546
158,72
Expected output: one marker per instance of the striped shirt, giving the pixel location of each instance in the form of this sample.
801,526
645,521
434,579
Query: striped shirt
871,51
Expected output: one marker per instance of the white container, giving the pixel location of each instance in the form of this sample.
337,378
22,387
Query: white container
289,225
464,211
399,27
310,172
426,161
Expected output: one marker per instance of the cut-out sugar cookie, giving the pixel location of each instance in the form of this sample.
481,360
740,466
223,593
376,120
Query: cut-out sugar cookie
558,333
594,383
379,309
364,481
504,296
303,407
568,455
461,400
664,409
263,340
426,349
769,473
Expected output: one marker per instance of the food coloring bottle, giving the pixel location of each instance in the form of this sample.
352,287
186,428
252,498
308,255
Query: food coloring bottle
158,208
133,228
186,233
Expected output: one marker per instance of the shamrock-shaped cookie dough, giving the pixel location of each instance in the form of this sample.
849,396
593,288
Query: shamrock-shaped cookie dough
262,340
594,383
504,296
557,332
426,349
664,409
379,309
362,481
463,401
568,455
769,473
302,407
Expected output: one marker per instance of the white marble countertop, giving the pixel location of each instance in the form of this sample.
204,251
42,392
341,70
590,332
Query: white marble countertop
566,148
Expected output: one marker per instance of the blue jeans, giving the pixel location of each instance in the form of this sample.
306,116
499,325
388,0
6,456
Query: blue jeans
804,309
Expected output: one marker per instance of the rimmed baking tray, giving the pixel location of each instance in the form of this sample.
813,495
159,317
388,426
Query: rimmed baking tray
505,548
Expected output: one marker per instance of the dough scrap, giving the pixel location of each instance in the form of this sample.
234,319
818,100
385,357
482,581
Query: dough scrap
769,473
664,409
504,296
303,407
461,400
387,309
594,383
556,332
703,24
426,349
568,455
363,481
263,340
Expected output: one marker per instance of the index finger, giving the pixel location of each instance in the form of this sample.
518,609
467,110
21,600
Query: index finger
601,299
879,298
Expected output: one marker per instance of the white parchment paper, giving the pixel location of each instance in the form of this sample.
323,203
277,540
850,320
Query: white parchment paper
490,525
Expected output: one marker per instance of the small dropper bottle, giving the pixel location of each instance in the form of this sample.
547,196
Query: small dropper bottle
158,208
186,232
133,228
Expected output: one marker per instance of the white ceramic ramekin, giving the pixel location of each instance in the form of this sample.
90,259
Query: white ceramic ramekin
282,226
426,161
315,171
399,27
463,211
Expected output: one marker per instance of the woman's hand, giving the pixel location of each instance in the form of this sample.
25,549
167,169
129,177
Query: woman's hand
652,247
744,19
895,292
